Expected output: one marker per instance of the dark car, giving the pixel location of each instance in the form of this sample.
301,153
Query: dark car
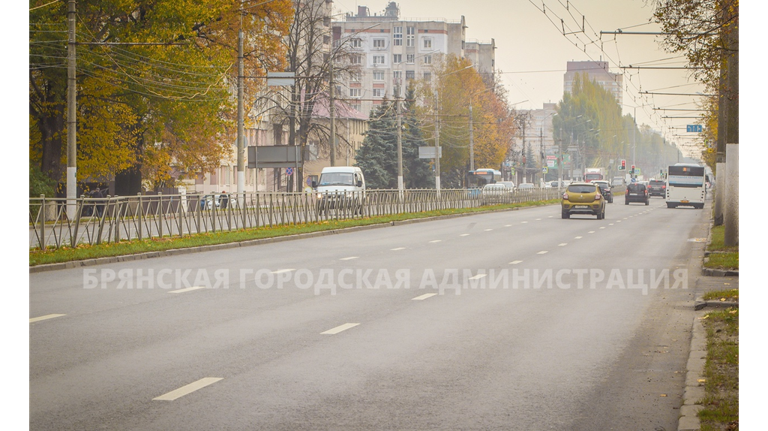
657,188
636,192
605,190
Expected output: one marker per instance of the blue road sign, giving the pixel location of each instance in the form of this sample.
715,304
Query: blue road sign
695,128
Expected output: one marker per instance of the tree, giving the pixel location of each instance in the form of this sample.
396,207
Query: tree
132,96
377,156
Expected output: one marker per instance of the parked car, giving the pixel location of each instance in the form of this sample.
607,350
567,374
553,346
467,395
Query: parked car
605,190
526,187
583,198
508,184
657,188
494,194
636,192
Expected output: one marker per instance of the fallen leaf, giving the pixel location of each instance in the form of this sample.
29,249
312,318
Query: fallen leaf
701,380
663,395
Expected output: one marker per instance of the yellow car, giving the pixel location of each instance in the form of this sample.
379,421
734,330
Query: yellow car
583,198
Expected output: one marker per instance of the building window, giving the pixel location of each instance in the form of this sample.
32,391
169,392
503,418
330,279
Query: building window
398,36
355,92
397,75
397,58
378,92
378,59
427,76
410,74
356,43
427,43
410,37
378,43
355,76
378,75
410,58
427,59
356,59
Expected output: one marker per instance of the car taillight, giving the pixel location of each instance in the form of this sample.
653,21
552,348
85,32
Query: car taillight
565,196
597,196
664,187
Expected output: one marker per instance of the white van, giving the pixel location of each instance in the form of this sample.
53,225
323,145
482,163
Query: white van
341,187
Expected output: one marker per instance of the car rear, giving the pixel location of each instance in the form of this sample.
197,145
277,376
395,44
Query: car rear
636,192
657,188
582,198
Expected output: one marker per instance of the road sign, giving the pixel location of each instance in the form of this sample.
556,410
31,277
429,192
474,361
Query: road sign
279,79
429,152
544,170
288,171
693,128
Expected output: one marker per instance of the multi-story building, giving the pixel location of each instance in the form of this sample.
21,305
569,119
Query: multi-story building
598,72
391,51
535,136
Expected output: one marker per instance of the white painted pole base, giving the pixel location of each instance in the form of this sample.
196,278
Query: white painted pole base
71,192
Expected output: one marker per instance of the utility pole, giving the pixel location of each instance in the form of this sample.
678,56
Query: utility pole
71,111
437,144
332,111
471,141
240,114
399,145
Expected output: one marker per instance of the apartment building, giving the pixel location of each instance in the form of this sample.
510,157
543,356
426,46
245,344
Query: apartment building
391,50
597,71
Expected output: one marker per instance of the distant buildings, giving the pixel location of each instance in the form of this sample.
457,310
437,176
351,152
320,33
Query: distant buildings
598,72
391,51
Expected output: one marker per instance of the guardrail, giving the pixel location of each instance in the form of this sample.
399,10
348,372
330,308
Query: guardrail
118,218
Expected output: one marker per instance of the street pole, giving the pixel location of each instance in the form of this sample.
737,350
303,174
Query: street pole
437,145
71,112
240,113
332,111
471,141
399,145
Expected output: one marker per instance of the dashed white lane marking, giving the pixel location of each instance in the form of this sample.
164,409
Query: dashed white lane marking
188,289
602,227
423,297
578,237
435,240
46,317
610,224
524,222
340,328
464,234
562,244
515,262
398,249
349,258
542,252
538,219
280,271
507,225
477,277
188,389
488,230
591,231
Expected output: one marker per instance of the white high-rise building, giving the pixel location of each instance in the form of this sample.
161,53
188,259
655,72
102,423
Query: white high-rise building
391,51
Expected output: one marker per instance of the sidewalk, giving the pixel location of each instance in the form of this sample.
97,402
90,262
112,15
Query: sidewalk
703,281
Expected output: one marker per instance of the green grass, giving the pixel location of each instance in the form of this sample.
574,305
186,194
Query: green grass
731,295
721,372
83,251
720,256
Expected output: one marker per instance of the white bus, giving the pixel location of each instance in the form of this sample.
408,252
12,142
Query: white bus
686,186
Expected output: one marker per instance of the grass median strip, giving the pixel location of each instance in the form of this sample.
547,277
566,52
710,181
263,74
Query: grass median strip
122,248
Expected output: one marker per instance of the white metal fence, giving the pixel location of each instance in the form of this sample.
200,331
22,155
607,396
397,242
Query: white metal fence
112,219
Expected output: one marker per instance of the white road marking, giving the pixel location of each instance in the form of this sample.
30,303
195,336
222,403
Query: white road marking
424,296
578,237
610,224
464,234
562,244
602,227
46,317
538,219
398,249
515,262
542,252
188,389
280,271
477,277
434,241
340,328
591,231
188,289
488,230
524,222
507,225
348,258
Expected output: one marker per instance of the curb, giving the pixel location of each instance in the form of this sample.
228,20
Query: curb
701,304
247,243
694,386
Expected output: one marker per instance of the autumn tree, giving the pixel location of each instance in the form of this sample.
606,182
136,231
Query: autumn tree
151,73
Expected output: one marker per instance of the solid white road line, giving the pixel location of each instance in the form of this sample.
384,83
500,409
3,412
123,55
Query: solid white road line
336,330
188,289
46,317
188,389
424,296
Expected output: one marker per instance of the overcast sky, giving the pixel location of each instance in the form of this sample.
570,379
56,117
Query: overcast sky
532,51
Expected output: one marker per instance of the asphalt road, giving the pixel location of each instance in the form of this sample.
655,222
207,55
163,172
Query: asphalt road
407,327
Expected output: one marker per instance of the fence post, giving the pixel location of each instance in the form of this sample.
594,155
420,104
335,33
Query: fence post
160,215
116,216
138,217
42,227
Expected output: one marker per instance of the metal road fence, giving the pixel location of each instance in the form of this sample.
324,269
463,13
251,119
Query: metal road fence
113,219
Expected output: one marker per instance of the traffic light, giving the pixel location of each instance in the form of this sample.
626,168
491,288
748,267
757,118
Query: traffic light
633,170
623,165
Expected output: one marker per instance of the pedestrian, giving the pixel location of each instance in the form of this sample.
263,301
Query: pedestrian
224,199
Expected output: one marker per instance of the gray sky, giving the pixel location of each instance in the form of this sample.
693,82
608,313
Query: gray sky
532,51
